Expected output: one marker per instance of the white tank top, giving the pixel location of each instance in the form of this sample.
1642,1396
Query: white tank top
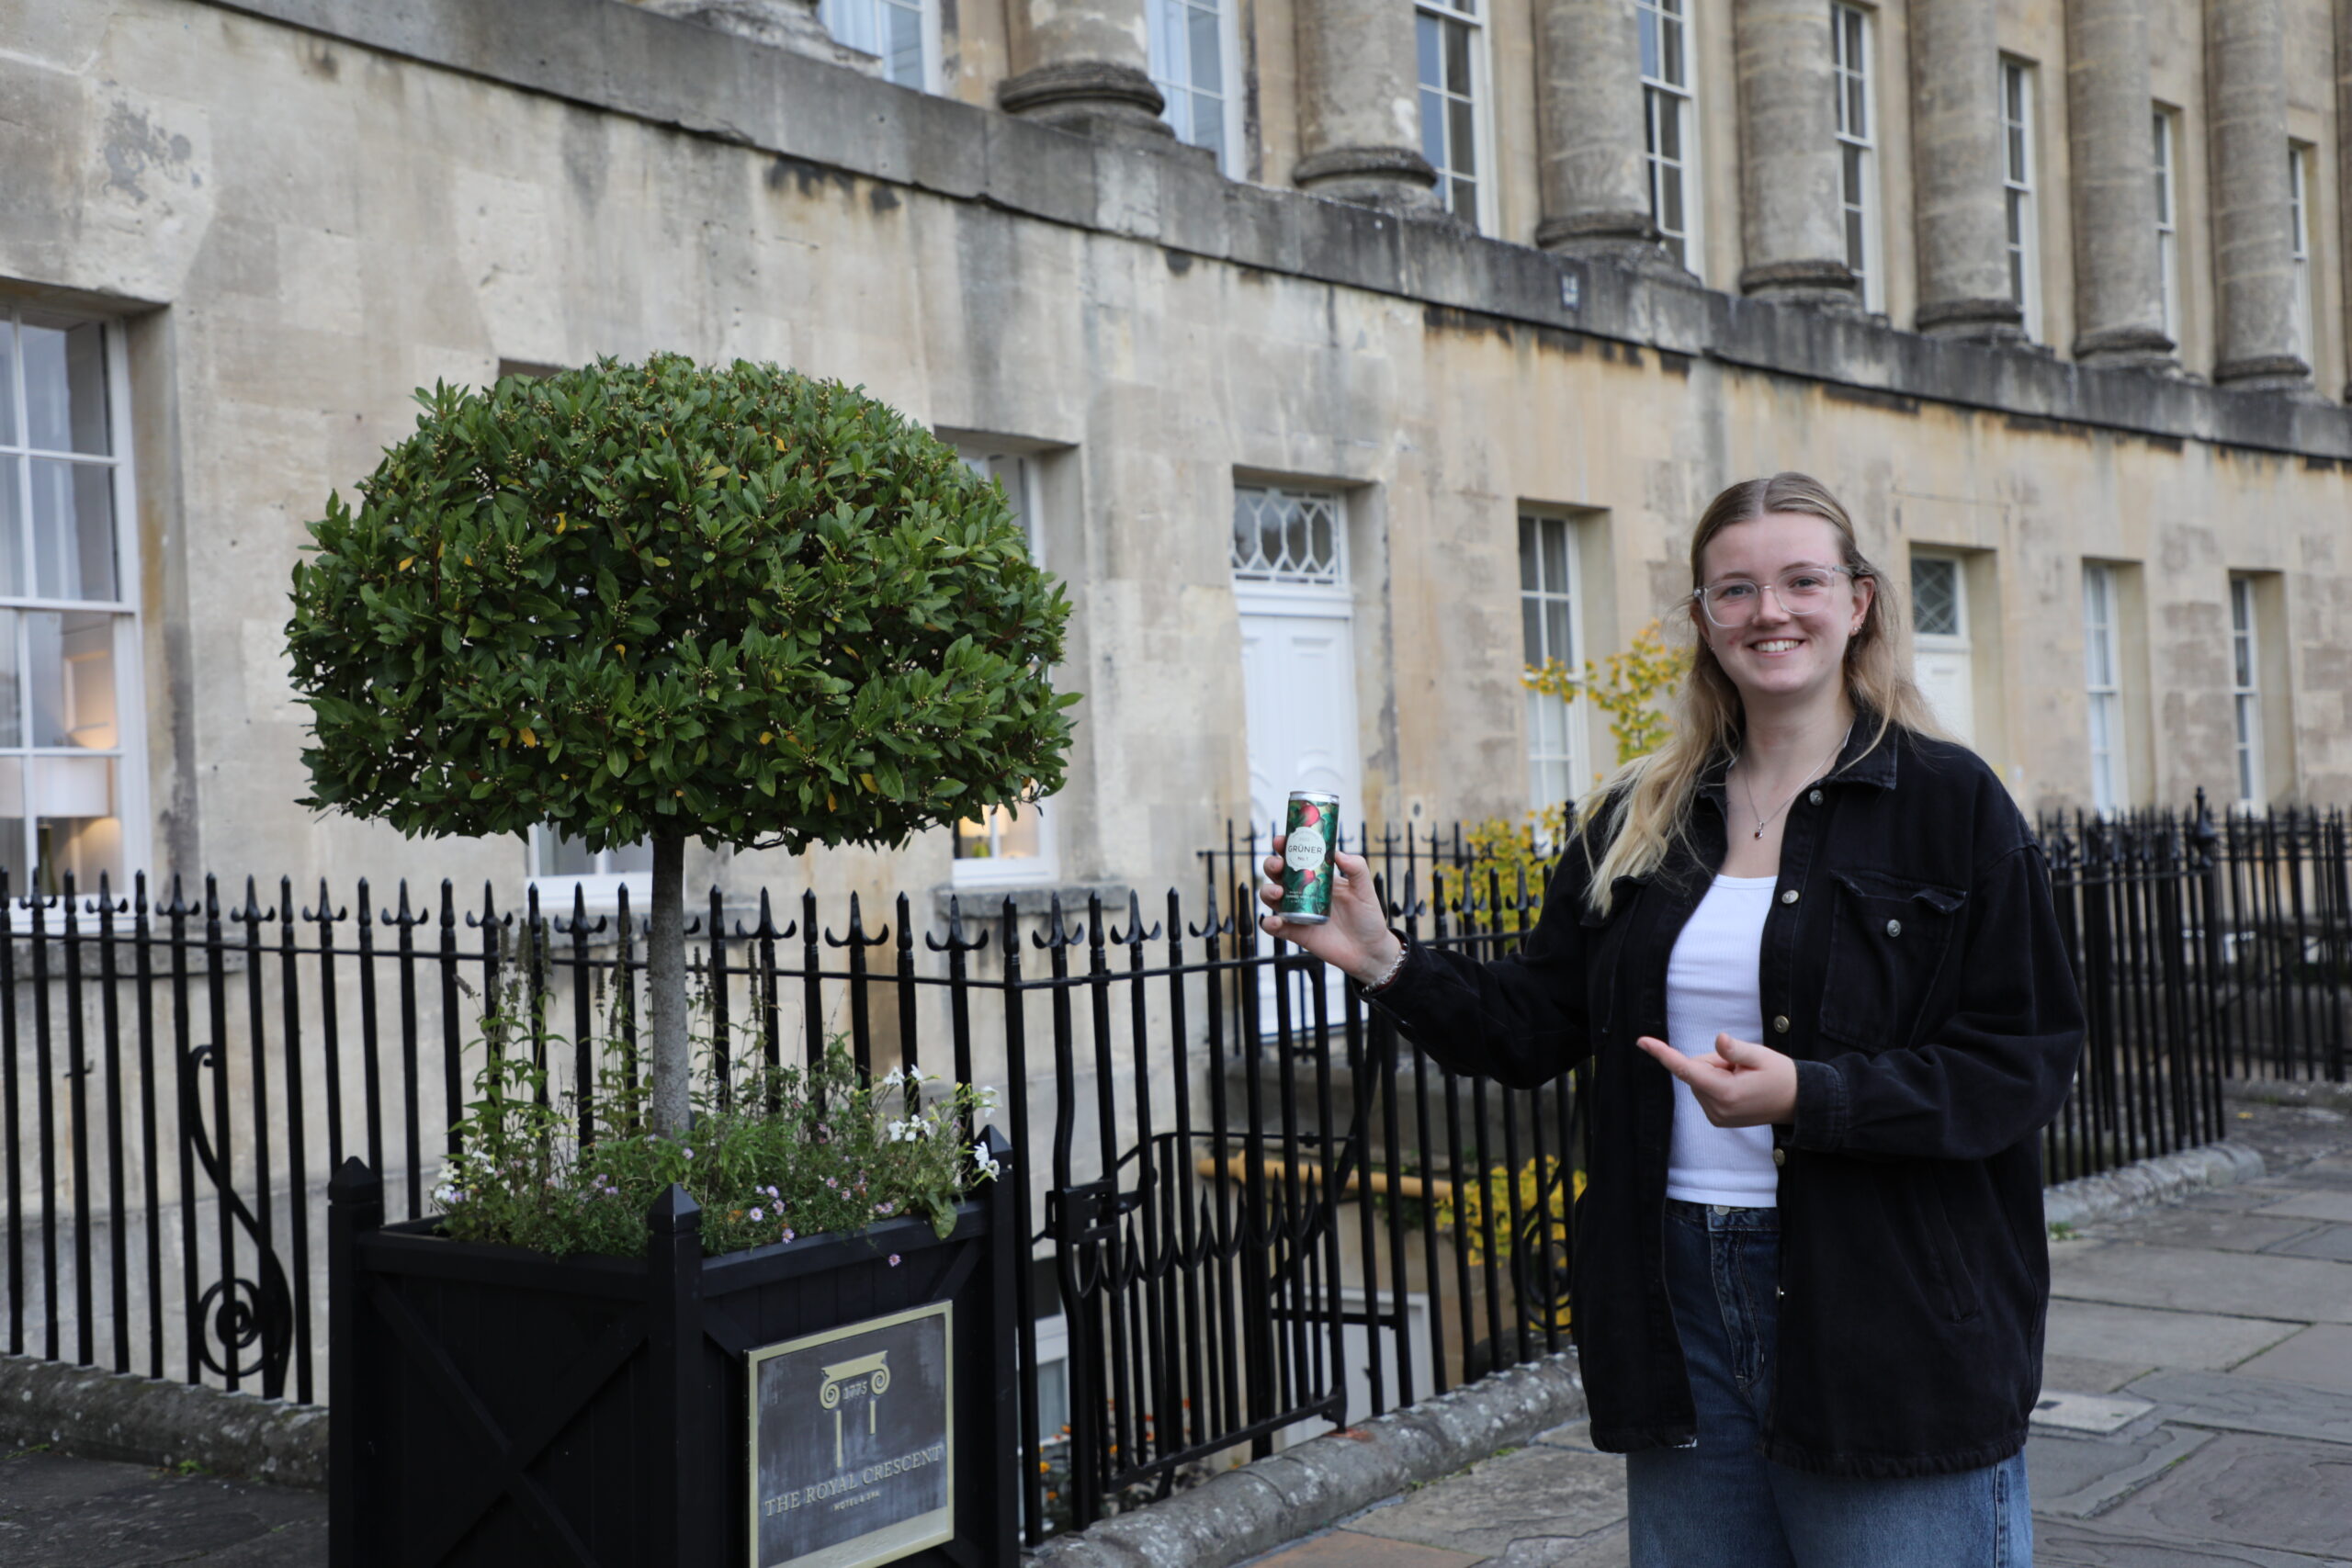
1711,989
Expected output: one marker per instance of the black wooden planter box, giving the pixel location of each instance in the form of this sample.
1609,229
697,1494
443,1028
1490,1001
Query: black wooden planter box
500,1407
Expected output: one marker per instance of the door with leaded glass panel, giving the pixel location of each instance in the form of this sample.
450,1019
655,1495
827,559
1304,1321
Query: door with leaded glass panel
1290,582
1941,658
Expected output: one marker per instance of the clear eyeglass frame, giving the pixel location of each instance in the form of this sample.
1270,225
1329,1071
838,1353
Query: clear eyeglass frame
1733,604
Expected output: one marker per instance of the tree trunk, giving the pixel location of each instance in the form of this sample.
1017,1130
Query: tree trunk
670,1060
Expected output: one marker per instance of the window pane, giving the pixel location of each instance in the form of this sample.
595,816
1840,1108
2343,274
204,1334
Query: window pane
1207,52
1531,557
1935,597
1426,31
12,526
1671,70
628,857
1433,128
12,823
9,434
1649,44
1457,59
1207,129
70,687
65,387
906,45
12,727
1556,554
1670,190
1464,139
72,530
1555,629
1531,631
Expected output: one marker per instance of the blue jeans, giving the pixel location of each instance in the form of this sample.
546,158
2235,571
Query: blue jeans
1722,1505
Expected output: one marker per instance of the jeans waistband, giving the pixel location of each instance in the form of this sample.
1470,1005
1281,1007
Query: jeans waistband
1722,1217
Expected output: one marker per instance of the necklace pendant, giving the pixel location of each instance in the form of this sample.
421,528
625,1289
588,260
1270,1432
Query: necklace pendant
1759,832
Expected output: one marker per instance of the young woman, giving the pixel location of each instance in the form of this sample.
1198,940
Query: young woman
1811,950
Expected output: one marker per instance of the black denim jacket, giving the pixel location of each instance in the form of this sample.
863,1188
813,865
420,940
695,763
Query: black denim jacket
1913,965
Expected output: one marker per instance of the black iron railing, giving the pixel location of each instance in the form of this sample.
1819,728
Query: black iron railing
1254,1210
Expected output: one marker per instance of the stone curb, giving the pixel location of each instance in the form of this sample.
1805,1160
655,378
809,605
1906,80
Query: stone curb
2117,1192
1275,1501
104,1415
2280,1091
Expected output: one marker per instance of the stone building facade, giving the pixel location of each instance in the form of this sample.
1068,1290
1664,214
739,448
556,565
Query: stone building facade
1342,355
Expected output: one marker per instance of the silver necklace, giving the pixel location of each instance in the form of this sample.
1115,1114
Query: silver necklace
1747,785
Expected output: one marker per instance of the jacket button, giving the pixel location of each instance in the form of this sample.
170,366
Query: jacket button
1813,799
1894,928
1779,1157
1780,1024
1790,897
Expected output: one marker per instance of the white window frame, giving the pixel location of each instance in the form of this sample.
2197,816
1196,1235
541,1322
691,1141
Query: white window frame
1166,60
1535,643
1464,13
2022,234
1670,99
2167,162
1016,467
599,890
831,14
2246,692
2298,237
2110,756
130,751
1853,42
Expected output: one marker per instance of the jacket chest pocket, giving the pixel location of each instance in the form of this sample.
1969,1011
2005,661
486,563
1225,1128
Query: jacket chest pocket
1887,945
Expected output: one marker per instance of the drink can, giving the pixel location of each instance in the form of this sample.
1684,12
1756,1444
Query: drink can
1308,857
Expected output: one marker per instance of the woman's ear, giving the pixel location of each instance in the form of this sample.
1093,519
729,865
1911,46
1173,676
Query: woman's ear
1865,596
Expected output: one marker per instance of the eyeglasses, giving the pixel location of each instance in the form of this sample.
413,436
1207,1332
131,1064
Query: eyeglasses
1802,590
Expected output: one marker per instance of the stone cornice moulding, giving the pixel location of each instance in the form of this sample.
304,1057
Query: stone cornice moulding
623,60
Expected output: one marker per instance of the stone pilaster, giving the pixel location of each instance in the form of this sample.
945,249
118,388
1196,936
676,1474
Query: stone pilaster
1086,65
1360,120
2110,110
2253,266
1593,170
1792,228
1956,153
2343,162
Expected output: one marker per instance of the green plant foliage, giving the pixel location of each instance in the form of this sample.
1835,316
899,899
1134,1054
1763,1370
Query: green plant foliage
663,600
791,1155
1627,686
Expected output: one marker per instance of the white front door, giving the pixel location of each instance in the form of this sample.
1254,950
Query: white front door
1941,660
1298,668
1299,697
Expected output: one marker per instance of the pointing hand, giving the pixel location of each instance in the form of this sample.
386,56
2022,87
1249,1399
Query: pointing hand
1742,1084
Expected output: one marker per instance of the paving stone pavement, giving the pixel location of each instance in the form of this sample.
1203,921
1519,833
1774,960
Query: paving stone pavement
2198,1415
2197,1408
59,1512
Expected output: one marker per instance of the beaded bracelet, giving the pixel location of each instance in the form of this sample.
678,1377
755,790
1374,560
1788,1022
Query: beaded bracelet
1389,977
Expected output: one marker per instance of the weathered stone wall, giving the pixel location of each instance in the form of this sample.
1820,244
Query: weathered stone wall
308,207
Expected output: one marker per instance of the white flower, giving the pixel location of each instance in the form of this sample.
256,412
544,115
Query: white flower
759,1214
898,1133
898,1076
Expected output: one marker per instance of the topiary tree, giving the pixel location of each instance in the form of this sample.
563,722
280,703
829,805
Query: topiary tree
649,602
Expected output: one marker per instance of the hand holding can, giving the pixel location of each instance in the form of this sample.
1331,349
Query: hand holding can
1312,841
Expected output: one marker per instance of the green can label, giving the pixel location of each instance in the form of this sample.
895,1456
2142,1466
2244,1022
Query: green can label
1313,836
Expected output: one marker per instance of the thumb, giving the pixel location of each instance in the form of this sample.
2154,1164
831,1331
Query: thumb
1740,1052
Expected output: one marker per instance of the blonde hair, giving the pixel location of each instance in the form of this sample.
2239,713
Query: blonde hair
1651,797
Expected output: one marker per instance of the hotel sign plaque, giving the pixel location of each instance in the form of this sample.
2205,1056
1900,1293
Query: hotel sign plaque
853,1448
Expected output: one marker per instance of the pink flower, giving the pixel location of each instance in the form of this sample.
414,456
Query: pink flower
894,1260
